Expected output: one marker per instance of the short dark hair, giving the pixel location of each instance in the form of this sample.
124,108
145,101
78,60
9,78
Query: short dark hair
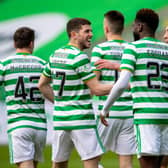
23,36
149,17
75,24
116,21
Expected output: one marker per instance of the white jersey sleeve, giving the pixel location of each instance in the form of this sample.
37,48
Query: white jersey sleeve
117,90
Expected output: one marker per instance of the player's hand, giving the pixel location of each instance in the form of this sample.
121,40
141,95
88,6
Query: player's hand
100,64
103,119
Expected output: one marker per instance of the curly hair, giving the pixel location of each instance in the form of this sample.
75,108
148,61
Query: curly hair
149,17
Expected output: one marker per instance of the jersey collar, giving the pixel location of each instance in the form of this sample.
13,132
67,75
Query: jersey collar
22,53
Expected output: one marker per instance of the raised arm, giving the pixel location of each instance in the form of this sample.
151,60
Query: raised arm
98,88
117,90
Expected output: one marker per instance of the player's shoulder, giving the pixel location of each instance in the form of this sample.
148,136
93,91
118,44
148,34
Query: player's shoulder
136,44
8,59
69,49
102,44
110,43
130,46
162,45
66,52
37,58
150,42
98,48
146,40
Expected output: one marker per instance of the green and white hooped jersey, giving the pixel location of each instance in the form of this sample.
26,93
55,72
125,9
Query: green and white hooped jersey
69,68
147,59
1,72
112,51
25,106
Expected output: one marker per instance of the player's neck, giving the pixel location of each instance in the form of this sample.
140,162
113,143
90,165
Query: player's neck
24,50
147,34
75,44
114,37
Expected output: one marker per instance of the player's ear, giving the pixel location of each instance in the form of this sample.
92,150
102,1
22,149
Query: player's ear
73,34
140,27
31,45
106,29
105,23
14,44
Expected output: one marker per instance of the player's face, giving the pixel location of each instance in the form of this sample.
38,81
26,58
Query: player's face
135,31
166,35
84,36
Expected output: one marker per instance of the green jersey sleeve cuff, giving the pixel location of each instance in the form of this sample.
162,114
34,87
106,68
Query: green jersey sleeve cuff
89,77
96,70
126,68
47,75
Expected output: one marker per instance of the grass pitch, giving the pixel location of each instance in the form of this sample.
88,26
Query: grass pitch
109,160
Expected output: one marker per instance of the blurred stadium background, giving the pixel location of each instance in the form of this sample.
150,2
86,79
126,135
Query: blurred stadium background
48,19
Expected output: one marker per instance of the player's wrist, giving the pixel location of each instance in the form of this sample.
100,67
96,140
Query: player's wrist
104,112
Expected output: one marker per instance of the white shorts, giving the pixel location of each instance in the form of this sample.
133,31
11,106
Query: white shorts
86,142
26,144
152,139
118,136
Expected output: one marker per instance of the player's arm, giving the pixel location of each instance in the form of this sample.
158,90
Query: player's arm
84,70
102,63
98,88
98,73
45,88
95,86
117,90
